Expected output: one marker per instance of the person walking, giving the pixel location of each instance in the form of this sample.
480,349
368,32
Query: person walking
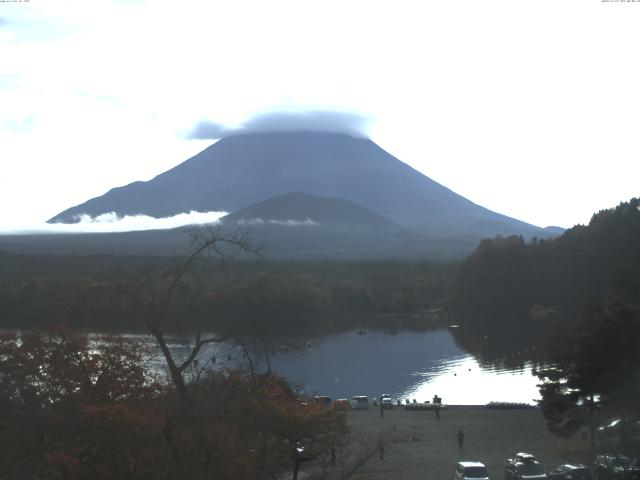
460,439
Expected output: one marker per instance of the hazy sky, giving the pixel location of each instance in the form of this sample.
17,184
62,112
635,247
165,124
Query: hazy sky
528,107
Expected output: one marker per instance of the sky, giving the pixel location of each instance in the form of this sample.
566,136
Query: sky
529,108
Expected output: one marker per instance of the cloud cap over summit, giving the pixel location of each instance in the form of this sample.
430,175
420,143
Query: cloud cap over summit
350,123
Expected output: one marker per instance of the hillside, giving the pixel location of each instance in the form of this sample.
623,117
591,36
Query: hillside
576,269
299,207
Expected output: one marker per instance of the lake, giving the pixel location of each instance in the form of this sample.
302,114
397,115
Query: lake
406,364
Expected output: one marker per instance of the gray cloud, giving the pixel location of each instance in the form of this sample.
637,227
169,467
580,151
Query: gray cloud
313,120
206,130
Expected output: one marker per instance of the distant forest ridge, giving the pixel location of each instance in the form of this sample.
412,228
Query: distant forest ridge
575,269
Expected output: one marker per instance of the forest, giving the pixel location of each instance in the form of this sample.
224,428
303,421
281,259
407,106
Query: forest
560,276
40,291
569,272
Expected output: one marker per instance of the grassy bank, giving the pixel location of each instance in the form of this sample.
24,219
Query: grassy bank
417,446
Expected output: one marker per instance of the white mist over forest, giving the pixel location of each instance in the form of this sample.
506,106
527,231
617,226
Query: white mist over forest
111,222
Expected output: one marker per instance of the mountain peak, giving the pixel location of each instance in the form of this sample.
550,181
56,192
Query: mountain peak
246,168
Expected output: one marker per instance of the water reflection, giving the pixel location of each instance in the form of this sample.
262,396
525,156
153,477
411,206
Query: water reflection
504,342
463,381
406,364
413,365
470,365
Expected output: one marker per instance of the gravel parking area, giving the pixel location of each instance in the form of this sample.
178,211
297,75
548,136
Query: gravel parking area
418,446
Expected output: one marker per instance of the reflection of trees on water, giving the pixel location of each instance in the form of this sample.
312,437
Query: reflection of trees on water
296,330
286,334
509,341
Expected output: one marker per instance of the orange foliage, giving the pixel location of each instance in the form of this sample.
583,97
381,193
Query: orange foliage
77,408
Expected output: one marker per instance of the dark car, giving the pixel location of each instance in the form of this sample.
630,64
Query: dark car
524,466
323,400
571,472
616,467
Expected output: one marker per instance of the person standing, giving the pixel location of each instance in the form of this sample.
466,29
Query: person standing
437,409
460,439
381,449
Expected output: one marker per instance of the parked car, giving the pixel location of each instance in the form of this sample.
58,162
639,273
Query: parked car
471,470
570,471
524,466
386,403
525,457
616,467
360,402
322,400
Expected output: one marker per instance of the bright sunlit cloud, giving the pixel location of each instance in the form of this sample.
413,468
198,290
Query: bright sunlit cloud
110,222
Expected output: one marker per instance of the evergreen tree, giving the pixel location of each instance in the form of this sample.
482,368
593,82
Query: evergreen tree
594,373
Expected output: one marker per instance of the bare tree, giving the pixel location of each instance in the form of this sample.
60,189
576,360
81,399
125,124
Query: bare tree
153,294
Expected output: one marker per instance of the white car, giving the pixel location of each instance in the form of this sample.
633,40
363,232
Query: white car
386,403
471,471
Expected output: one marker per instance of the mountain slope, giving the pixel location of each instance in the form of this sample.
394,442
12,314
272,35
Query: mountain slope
297,225
244,169
289,226
299,207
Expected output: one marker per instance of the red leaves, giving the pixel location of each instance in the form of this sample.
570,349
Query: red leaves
76,408
81,407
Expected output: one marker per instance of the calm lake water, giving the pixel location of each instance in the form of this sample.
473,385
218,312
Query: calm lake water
407,365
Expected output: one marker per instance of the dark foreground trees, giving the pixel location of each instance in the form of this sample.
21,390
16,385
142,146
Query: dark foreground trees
72,407
99,416
594,376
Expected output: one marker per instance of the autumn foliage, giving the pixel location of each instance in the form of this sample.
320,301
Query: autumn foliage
73,407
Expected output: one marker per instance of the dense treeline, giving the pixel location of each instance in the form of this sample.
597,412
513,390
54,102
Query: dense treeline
573,270
38,291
